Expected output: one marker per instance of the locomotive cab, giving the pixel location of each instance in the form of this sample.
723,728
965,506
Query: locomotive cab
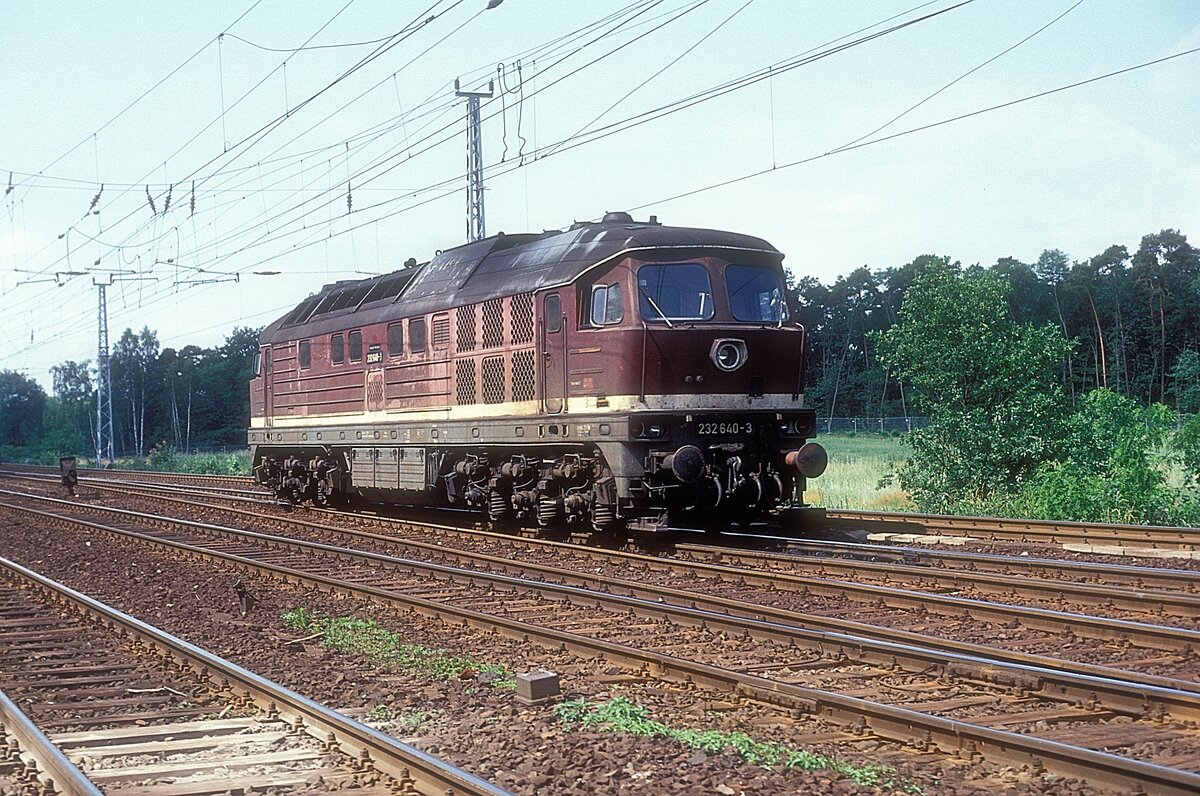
698,350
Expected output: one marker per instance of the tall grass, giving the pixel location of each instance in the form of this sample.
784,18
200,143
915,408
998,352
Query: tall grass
859,464
167,459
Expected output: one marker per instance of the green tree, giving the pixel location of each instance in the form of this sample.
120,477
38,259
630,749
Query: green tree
133,368
1186,375
70,415
22,404
989,384
1187,444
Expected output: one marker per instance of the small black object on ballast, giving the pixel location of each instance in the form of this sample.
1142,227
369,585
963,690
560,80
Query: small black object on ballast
68,473
246,600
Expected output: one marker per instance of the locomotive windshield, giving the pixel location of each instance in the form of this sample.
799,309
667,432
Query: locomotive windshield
755,294
675,292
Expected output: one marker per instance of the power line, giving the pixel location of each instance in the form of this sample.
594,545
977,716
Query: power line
922,128
148,91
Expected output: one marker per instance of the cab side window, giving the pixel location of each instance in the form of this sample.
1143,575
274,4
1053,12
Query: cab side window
337,349
607,305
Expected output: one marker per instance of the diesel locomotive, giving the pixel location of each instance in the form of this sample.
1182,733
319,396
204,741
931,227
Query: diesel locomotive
615,375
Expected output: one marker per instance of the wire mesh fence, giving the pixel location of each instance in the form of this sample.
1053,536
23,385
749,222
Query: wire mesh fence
870,425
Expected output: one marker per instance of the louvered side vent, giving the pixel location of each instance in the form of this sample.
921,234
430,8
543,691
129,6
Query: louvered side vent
441,332
521,314
523,374
376,391
464,382
493,323
465,320
493,380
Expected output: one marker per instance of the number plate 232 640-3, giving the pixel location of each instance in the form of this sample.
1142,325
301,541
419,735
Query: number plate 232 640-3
725,428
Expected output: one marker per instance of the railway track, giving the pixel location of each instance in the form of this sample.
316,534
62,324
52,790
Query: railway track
115,705
763,660
890,611
989,529
1030,592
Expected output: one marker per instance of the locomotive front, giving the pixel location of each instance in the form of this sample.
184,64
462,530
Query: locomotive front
692,350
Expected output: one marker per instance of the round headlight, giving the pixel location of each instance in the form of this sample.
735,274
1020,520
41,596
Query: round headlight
729,354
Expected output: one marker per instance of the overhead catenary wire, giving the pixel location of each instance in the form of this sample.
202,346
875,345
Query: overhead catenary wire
874,141
255,243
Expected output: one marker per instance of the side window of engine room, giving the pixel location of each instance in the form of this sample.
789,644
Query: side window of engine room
416,335
304,350
337,349
395,339
608,307
553,313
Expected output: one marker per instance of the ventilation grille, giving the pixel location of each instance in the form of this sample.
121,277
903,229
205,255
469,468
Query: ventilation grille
523,371
441,331
464,378
465,321
493,380
375,391
521,313
493,323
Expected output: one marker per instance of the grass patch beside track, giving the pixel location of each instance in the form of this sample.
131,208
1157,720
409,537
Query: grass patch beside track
625,716
860,472
367,637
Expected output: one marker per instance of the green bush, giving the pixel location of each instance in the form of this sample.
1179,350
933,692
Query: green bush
1108,471
1187,444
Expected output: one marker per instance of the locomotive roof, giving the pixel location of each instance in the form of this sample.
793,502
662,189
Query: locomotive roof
502,265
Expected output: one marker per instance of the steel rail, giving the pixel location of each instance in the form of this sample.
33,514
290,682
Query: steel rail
1183,580
1123,597
405,763
1131,597
231,481
1155,636
908,726
1002,529
754,610
58,774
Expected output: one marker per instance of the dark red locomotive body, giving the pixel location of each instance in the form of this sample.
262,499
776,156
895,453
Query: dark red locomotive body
616,374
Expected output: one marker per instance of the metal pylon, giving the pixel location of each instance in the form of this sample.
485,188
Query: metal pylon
476,227
104,416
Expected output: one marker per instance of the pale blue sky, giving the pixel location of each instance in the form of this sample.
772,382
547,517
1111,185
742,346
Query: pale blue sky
1077,170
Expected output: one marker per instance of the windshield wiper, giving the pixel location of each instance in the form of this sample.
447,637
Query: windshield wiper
656,308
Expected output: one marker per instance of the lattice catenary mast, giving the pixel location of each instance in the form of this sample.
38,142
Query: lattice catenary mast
476,228
104,416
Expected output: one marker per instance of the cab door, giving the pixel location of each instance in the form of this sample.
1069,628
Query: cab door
268,377
554,354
